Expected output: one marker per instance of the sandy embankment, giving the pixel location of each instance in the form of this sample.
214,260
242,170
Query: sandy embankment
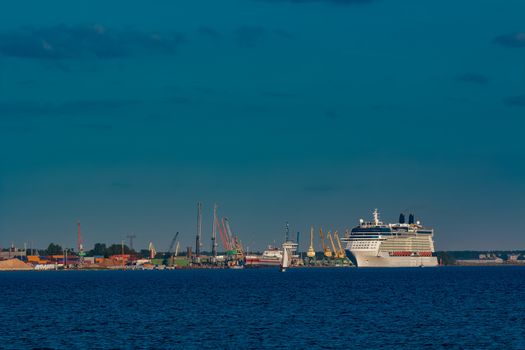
14,265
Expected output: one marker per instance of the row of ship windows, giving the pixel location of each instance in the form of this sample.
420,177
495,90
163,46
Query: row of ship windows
362,245
402,243
405,245
406,248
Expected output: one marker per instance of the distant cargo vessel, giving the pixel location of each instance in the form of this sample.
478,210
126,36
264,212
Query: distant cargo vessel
374,244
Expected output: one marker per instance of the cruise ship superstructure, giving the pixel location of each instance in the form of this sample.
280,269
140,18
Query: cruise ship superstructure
375,244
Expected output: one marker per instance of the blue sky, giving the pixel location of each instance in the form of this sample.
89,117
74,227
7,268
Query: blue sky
125,114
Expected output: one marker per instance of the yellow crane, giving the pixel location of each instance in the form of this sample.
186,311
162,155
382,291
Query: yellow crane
311,249
326,250
341,252
336,253
240,249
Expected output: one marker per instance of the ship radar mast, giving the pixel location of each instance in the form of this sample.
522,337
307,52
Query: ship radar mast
376,217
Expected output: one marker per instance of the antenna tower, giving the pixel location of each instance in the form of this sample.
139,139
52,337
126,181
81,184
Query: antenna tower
80,245
214,232
131,237
199,230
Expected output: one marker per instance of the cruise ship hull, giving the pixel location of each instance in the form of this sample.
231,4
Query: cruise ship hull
370,259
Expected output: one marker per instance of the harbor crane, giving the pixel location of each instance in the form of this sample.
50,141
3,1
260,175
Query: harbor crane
326,250
176,249
229,234
224,235
235,244
311,249
334,249
170,250
152,250
231,243
341,252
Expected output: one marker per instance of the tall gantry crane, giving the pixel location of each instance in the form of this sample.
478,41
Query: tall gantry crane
214,233
199,231
80,245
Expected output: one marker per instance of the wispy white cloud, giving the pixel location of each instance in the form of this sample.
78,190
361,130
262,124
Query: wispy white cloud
84,41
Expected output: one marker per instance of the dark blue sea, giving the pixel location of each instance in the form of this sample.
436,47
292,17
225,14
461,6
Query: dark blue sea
448,307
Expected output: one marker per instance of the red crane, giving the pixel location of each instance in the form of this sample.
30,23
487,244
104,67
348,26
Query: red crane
222,233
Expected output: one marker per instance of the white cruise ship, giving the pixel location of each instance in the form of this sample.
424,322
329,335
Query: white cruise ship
374,244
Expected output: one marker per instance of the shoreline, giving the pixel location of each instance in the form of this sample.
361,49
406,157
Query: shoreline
259,268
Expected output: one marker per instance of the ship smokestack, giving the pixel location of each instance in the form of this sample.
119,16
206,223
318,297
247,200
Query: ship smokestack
401,218
411,219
